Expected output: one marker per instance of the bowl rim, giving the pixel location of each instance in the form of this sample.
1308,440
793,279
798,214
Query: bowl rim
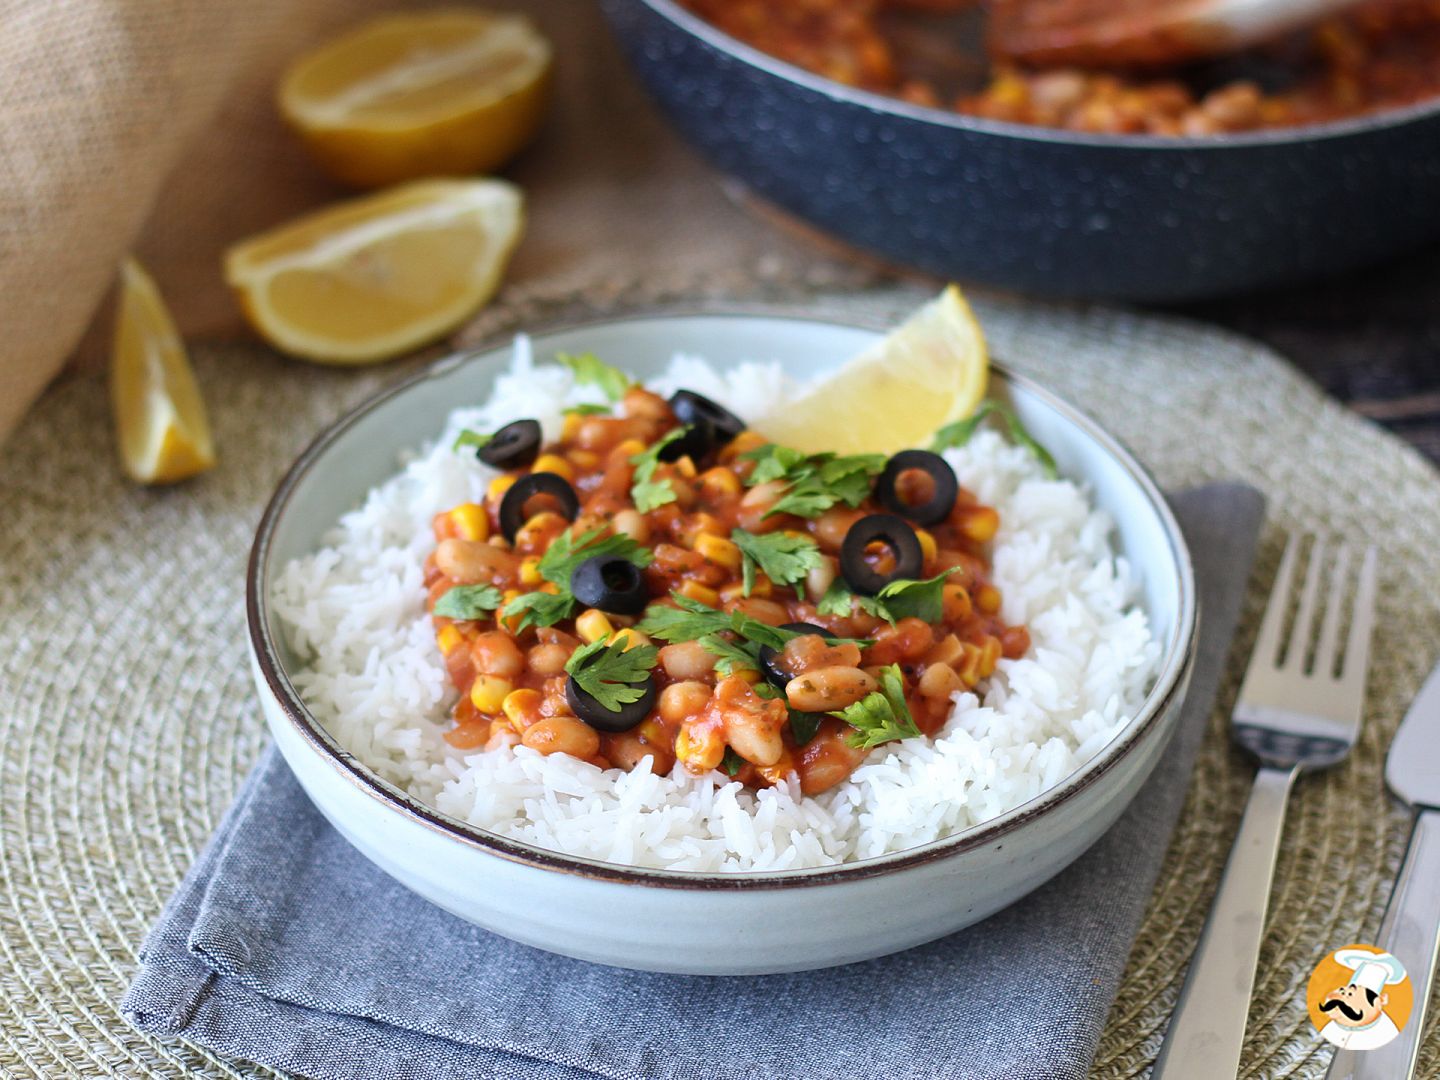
1169,681
1298,134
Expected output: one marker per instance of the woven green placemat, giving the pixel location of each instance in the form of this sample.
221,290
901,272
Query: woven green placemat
127,717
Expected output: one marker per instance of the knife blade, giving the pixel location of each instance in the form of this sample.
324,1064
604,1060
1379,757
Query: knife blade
1411,927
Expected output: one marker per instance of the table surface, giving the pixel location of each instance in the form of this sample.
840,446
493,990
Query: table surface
1371,339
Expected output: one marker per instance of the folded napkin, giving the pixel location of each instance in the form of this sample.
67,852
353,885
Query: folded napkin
285,947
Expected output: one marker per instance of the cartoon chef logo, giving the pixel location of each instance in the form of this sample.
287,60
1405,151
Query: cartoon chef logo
1359,997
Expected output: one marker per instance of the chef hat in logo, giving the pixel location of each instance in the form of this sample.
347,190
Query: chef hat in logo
1373,971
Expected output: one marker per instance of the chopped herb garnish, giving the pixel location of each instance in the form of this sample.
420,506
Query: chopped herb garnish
881,716
645,491
590,370
732,762
612,674
694,621
784,558
804,725
814,482
556,566
959,433
587,409
468,601
477,439
905,598
540,608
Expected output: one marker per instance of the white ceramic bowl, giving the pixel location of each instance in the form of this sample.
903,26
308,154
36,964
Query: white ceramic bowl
745,923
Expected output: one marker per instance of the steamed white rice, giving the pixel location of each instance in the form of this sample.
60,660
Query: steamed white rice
375,678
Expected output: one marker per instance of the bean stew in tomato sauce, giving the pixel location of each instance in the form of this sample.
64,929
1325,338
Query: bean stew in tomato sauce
747,607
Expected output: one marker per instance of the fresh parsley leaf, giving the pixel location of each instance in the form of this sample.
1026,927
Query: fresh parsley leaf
540,608
904,599
784,558
688,620
612,674
587,409
468,601
772,462
820,481
959,433
840,599
590,370
732,762
804,725
732,654
881,716
477,439
646,492
568,552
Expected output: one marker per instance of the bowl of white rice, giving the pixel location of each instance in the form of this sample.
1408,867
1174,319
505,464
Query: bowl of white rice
700,874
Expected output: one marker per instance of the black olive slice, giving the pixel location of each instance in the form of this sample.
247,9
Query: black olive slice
602,719
512,506
611,584
690,408
775,675
896,534
944,486
698,440
514,446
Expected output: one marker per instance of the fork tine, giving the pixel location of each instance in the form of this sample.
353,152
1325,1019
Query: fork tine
1267,644
1362,622
1300,634
1330,631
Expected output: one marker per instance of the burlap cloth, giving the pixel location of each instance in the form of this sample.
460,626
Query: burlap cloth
126,712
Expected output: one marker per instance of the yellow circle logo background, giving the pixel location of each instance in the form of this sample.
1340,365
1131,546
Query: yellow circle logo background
1330,974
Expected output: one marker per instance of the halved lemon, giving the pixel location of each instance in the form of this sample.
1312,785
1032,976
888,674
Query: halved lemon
930,370
160,419
437,93
378,276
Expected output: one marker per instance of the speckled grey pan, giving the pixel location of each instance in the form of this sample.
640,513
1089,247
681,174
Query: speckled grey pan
1043,211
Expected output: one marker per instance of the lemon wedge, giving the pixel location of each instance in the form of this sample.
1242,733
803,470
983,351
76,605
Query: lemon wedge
930,370
381,275
437,93
160,418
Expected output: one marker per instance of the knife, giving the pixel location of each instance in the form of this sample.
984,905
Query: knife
1411,927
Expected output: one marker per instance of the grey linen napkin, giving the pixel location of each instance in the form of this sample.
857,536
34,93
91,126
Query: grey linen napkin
284,947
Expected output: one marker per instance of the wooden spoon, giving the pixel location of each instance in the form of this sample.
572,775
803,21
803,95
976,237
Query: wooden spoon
1150,33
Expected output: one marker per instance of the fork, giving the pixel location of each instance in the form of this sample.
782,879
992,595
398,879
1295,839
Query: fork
1295,714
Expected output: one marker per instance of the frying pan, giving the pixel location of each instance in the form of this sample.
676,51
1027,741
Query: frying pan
1060,213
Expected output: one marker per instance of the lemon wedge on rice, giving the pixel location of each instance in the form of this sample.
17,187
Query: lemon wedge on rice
160,420
432,93
929,371
378,276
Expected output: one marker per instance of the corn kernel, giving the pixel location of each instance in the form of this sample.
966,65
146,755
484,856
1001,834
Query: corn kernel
701,753
448,638
488,693
686,467
530,571
693,590
746,674
471,522
980,524
629,447
549,587
989,655
969,666
627,638
652,731
592,625
718,550
522,707
927,544
570,427
501,484
584,459
554,463
987,599
719,481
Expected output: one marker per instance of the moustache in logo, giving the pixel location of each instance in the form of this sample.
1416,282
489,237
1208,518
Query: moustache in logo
1353,1014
